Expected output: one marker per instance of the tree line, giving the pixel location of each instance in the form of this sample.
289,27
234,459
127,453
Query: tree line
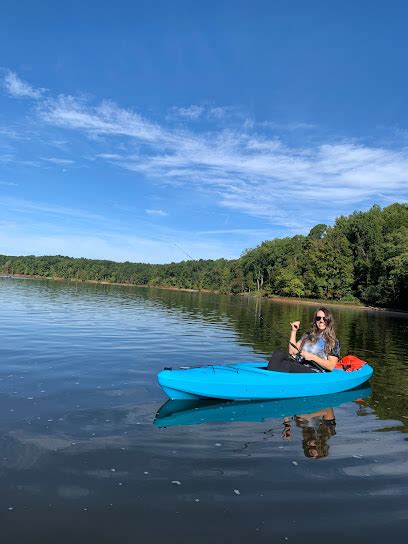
363,257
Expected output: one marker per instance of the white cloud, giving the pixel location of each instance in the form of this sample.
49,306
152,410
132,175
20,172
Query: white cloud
190,112
11,158
17,88
21,205
288,126
244,169
217,112
110,156
107,119
157,213
247,234
58,162
195,112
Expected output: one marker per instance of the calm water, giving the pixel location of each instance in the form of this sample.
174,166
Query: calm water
82,458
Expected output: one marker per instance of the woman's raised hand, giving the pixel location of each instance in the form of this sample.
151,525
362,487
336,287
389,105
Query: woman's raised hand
295,325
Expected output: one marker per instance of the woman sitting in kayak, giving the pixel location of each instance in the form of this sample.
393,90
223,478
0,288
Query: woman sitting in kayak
319,349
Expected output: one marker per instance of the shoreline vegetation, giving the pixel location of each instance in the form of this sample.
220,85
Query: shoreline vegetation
361,261
256,294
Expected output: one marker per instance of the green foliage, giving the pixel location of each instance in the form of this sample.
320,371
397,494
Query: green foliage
288,283
318,231
327,267
363,257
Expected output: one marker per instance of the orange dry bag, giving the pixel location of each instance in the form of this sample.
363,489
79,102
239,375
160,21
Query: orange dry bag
349,363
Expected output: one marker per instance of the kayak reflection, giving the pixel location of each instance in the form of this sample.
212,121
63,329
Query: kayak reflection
196,412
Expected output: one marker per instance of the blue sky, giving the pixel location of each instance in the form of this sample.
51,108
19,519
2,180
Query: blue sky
149,131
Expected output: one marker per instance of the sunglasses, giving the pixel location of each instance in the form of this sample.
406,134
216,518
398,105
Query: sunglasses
320,318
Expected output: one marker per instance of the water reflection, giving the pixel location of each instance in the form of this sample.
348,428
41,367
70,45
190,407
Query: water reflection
314,416
81,459
316,427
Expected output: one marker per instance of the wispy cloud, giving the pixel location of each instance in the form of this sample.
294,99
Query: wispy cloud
11,158
157,213
107,119
9,183
250,172
247,168
288,126
195,112
238,232
17,88
9,133
22,205
190,112
58,162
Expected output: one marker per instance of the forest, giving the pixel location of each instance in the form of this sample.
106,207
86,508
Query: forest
363,257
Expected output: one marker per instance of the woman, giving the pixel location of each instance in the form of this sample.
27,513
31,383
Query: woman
319,348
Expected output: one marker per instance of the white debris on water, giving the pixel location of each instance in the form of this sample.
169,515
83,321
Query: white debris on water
217,444
196,500
176,482
113,469
295,463
357,456
237,492
145,472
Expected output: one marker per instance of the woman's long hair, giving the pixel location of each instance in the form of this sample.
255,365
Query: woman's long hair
315,441
328,334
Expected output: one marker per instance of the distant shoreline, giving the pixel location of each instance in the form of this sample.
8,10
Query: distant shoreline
288,300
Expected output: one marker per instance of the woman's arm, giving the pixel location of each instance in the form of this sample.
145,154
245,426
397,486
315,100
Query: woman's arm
326,413
328,364
292,340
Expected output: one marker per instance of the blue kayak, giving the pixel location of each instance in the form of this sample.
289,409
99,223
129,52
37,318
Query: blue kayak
251,381
197,412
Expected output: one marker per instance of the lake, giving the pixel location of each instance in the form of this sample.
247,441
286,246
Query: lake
83,457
